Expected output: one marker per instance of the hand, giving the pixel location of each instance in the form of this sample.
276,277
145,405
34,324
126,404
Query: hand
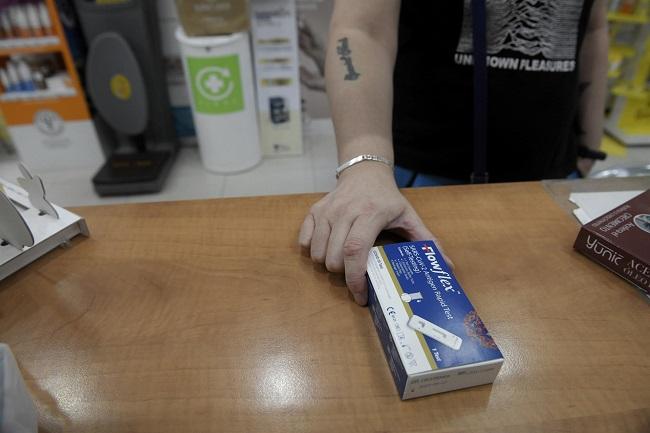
341,228
584,166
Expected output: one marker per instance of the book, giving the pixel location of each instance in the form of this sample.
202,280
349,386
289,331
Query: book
619,240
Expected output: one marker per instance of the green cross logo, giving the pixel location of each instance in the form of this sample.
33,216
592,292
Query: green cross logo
216,84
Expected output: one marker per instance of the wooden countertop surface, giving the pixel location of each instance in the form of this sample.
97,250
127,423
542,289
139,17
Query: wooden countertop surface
204,316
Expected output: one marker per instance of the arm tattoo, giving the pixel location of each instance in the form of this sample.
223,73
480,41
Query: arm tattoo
344,52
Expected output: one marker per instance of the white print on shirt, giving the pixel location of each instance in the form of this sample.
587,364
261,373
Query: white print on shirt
530,27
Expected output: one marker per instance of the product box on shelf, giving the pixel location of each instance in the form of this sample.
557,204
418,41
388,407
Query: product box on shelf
275,50
433,338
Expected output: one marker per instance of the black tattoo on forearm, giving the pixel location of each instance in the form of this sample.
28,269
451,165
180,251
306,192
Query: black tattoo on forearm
344,52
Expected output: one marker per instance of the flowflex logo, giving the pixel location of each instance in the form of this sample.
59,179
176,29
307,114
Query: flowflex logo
216,84
443,277
529,27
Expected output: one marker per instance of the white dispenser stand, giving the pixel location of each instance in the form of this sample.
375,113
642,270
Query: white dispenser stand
219,76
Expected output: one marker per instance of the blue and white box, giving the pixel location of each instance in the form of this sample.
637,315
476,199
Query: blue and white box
432,337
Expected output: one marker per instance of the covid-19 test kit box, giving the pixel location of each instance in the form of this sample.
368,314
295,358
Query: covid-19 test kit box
433,338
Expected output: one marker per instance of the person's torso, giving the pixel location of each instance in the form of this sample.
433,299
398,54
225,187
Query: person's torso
532,53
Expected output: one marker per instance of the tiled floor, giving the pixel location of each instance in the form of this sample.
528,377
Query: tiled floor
311,172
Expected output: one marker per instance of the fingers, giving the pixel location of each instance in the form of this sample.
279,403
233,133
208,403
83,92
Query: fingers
334,259
324,243
314,234
306,231
413,229
584,166
356,247
320,239
326,246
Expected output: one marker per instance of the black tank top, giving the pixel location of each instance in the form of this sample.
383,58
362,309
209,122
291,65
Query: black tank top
532,60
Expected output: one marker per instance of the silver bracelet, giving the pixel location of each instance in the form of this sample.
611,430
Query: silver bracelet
361,158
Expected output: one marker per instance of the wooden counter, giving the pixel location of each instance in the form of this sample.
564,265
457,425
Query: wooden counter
203,316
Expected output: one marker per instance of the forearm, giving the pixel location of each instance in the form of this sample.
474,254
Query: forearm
341,227
359,77
593,81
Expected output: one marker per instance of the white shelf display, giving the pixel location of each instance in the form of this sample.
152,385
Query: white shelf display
275,48
31,226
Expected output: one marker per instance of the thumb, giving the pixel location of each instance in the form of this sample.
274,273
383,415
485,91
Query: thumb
410,226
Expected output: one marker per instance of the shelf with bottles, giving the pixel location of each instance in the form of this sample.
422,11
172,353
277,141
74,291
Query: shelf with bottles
26,22
32,66
37,72
38,94
36,44
31,50
39,76
41,97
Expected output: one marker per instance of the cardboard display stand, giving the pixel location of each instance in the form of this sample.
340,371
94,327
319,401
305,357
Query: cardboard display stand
31,226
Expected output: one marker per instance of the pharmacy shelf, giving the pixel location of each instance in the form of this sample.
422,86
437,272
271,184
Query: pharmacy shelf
34,95
31,50
630,91
616,55
622,50
629,65
640,17
18,44
614,74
